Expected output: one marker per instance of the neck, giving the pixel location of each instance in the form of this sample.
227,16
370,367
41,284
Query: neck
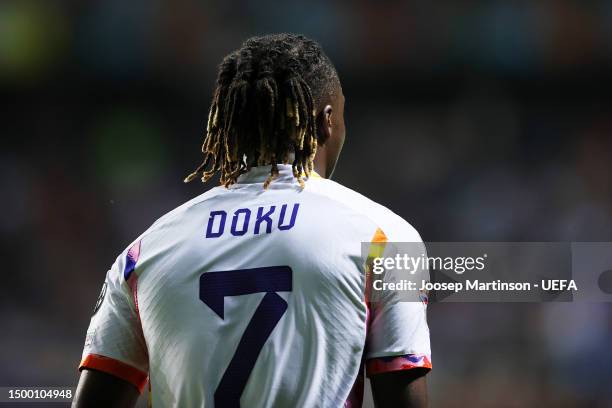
323,164
320,166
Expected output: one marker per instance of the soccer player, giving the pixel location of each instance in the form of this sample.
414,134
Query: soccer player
253,294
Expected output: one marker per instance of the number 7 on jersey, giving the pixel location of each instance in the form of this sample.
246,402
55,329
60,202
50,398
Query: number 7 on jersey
214,287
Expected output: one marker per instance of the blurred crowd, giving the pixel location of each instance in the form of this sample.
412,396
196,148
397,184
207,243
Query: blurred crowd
474,120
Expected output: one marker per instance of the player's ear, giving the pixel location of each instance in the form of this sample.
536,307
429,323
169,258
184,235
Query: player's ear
324,125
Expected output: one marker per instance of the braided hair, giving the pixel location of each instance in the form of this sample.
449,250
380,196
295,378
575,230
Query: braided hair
264,107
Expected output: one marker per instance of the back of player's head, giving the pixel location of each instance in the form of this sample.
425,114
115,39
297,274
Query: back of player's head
264,107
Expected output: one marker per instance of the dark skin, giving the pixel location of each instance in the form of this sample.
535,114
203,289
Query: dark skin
97,390
391,390
406,388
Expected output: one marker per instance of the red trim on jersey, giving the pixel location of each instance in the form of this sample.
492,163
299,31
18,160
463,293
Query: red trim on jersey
133,284
380,365
377,246
117,368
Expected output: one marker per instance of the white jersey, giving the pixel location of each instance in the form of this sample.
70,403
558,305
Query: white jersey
256,298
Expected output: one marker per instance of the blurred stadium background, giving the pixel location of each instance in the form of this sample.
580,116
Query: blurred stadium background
474,120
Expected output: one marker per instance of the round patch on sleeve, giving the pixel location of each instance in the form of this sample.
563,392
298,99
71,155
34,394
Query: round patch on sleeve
100,298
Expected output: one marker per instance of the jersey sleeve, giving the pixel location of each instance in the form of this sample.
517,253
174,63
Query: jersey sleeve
397,333
114,342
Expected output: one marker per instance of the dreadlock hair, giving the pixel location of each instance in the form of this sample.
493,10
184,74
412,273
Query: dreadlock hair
264,107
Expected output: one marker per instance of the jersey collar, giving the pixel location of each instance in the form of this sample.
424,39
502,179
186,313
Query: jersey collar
260,174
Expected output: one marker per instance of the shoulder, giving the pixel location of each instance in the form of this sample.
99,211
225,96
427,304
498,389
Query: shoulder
158,230
393,226
192,205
